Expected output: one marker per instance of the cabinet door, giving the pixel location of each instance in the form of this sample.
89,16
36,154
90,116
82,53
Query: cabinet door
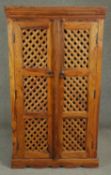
33,81
78,90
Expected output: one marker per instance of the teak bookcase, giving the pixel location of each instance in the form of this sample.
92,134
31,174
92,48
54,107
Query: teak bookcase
55,72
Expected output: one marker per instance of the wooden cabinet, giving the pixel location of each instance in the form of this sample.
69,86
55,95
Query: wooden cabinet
55,72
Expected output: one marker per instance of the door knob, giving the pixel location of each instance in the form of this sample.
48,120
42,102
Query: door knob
50,73
62,74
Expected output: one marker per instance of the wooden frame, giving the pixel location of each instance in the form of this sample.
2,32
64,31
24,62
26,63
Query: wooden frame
52,12
56,18
19,74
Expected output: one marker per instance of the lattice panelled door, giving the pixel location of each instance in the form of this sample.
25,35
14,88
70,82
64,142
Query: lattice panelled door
33,72
33,87
78,89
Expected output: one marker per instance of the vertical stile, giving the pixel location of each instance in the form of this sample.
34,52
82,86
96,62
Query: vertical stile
57,55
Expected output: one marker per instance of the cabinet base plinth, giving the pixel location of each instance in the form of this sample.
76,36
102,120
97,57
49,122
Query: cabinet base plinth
42,163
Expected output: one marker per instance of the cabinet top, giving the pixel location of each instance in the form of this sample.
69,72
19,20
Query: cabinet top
31,12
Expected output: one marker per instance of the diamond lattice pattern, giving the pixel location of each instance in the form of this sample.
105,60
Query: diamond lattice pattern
35,94
74,134
76,48
36,134
75,93
34,48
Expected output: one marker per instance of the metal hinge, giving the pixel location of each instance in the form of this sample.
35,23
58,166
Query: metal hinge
13,37
97,38
15,94
94,94
92,145
17,146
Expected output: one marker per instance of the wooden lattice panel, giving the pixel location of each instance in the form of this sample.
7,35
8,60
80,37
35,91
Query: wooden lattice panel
75,93
36,134
34,48
74,134
76,48
35,94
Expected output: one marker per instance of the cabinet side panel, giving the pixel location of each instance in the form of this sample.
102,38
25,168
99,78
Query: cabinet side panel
98,81
12,83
